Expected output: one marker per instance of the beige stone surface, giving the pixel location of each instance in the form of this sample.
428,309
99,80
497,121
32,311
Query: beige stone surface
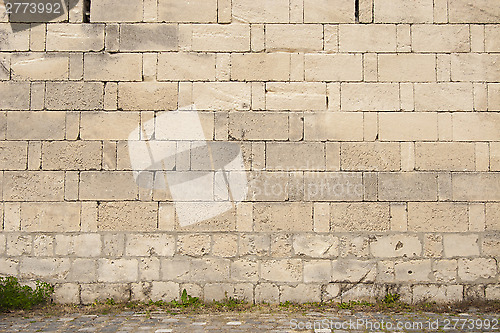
407,67
443,97
295,96
401,11
288,270
148,37
174,66
187,11
16,95
39,66
221,38
75,37
330,126
294,38
475,67
117,11
485,186
440,38
261,11
50,217
260,66
283,217
468,11
127,216
112,67
444,156
258,126
352,217
328,11
396,246
333,67
367,38
437,217
147,96
71,155
368,156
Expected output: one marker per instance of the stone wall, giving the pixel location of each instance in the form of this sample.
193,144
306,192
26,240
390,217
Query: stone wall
368,131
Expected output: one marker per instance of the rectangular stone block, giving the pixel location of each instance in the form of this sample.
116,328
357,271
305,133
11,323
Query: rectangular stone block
367,38
396,246
19,41
71,155
127,216
294,38
437,217
477,269
117,11
492,216
494,97
407,67
402,11
295,96
328,11
456,245
352,217
443,97
370,156
74,96
413,271
14,155
407,186
289,270
149,37
210,270
475,67
198,11
260,66
33,186
107,185
109,125
369,97
50,216
440,38
477,126
39,66
444,156
186,67
333,67
261,11
473,11
317,270
290,156
81,245
75,37
146,245
117,270
222,96
221,38
479,186
408,126
147,96
492,38
15,95
258,126
282,217
113,67
193,245
333,186
333,126
44,268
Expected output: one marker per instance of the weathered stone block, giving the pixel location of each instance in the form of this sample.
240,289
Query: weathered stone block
74,96
71,155
316,246
283,217
221,38
33,186
396,246
408,186
476,270
147,96
50,217
437,217
186,66
40,66
113,67
328,11
287,270
117,270
193,245
35,125
333,67
75,37
127,216
197,11
148,37
300,293
349,217
260,11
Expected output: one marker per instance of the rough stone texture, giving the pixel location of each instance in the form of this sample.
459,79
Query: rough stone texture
363,151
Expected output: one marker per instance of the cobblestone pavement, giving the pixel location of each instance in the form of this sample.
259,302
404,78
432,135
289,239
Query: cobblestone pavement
253,322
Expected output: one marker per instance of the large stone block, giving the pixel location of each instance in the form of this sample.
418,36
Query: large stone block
437,293
39,66
258,126
301,293
286,270
283,217
33,186
19,41
475,67
44,268
437,217
333,67
147,96
473,11
107,185
117,270
444,156
370,97
295,96
260,11
222,95
440,38
109,125
396,246
102,291
477,269
221,38
117,10
413,271
71,155
75,37
476,186
148,37
196,11
362,216
370,156
477,126
112,67
290,156
186,66
402,11
74,96
147,245
328,11
493,216
456,245
367,38
50,216
127,216
443,97
260,66
333,126
210,270
81,245
407,67
408,186
408,126
317,271
294,38
244,270
193,245
316,246
15,95
14,155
